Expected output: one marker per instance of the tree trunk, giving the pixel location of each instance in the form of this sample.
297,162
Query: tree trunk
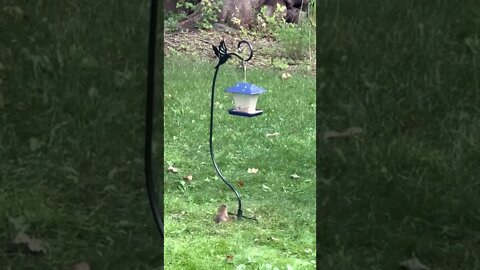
170,6
239,12
243,12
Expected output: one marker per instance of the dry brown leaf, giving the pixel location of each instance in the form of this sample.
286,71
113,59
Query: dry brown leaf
21,238
286,75
178,216
172,169
188,178
36,245
408,124
354,131
33,244
81,266
331,134
271,238
252,170
241,183
350,132
272,134
413,264
15,12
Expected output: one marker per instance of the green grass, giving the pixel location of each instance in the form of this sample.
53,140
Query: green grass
285,234
71,135
406,72
71,149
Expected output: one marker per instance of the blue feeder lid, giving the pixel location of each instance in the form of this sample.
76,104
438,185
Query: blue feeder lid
245,88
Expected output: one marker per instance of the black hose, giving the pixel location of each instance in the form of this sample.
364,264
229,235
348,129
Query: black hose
157,209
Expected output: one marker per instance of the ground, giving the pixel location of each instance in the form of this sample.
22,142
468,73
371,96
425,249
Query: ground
266,47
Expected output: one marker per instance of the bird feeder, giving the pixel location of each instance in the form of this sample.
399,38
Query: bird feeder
245,97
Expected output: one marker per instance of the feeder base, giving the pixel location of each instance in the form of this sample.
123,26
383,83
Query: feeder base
245,114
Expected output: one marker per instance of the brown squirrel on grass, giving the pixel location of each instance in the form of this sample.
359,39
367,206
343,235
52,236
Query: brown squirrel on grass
222,214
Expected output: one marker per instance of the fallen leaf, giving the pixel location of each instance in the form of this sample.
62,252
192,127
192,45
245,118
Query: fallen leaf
266,188
294,176
178,216
112,173
110,188
81,266
286,75
252,170
19,223
92,91
33,244
2,101
272,238
172,169
241,183
272,134
408,124
35,144
188,178
241,267
350,132
331,134
21,238
36,245
15,12
413,264
354,131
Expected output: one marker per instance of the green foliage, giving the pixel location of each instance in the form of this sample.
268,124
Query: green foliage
171,24
186,4
269,24
280,63
210,10
295,40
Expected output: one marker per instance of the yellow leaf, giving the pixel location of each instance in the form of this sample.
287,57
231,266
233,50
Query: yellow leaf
295,176
350,132
172,169
273,134
286,75
15,12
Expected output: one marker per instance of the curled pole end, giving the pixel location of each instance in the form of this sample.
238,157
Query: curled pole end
249,47
223,55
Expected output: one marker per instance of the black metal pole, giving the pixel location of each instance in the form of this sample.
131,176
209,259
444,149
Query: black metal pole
212,155
223,55
149,112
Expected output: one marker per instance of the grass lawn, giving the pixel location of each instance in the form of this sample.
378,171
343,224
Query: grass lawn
71,135
71,147
285,234
406,72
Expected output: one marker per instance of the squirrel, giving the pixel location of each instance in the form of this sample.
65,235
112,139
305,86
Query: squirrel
222,214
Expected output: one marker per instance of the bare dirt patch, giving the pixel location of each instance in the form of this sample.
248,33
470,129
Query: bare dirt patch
266,49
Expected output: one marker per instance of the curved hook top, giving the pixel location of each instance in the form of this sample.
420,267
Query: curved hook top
249,47
222,53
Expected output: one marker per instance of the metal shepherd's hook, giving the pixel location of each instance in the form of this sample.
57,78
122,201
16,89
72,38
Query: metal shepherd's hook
223,55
